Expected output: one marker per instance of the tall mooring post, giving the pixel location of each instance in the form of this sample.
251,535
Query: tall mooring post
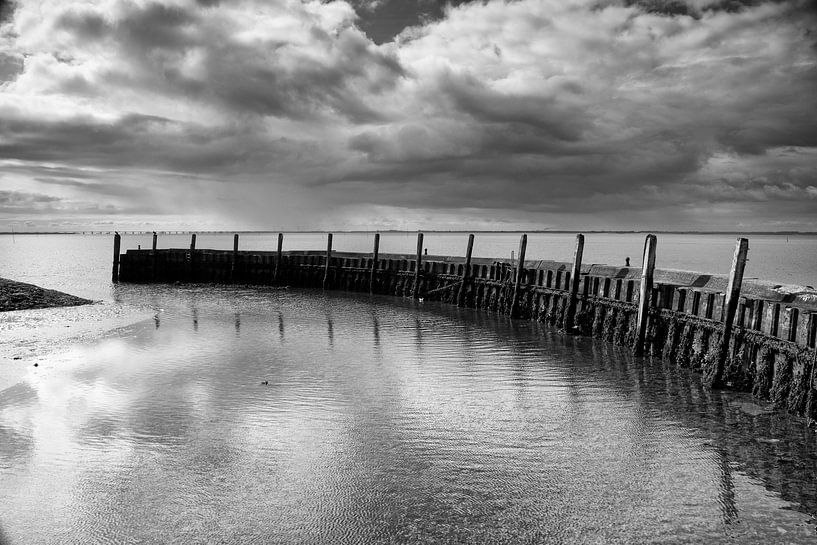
466,272
575,278
645,295
375,259
418,264
715,377
278,255
520,274
117,242
191,263
154,258
328,260
234,257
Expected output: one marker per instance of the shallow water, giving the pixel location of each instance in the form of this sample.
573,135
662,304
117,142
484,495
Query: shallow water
383,420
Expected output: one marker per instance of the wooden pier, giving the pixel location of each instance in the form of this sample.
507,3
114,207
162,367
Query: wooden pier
749,336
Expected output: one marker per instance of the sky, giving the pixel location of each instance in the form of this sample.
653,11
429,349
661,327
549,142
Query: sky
408,114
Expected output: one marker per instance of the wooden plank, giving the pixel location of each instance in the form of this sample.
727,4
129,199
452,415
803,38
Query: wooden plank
328,260
154,257
520,272
375,259
191,265
466,273
234,257
117,242
647,272
575,278
715,379
278,256
418,264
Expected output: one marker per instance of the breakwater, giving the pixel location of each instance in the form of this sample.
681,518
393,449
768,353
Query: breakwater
749,336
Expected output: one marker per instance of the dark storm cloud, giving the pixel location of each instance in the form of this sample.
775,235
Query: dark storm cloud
614,108
149,142
6,9
382,20
264,75
637,129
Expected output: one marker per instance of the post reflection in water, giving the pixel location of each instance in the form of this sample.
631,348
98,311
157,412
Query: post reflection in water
435,425
330,332
726,490
375,331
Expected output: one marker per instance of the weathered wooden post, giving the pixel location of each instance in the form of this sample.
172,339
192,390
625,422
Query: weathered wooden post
715,377
575,278
418,264
375,258
117,241
234,257
191,264
466,272
645,294
520,273
278,256
328,259
153,258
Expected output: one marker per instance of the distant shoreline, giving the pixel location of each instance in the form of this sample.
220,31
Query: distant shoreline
21,296
456,231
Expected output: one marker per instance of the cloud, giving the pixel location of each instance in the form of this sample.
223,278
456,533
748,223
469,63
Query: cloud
564,112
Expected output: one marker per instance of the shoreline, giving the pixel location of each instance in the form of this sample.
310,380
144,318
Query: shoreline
21,296
412,232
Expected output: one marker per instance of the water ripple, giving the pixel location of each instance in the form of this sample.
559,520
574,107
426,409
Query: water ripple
250,416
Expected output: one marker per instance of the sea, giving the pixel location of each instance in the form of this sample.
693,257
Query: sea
240,414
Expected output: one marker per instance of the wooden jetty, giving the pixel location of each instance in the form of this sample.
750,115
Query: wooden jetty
744,335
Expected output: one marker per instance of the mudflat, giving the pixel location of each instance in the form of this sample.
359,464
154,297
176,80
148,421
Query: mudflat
22,296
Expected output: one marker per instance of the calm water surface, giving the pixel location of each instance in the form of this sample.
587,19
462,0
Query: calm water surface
382,421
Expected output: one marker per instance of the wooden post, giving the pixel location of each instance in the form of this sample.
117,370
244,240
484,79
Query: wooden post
647,270
375,258
328,259
575,277
715,379
234,257
117,242
418,264
520,272
278,256
153,257
466,273
191,266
